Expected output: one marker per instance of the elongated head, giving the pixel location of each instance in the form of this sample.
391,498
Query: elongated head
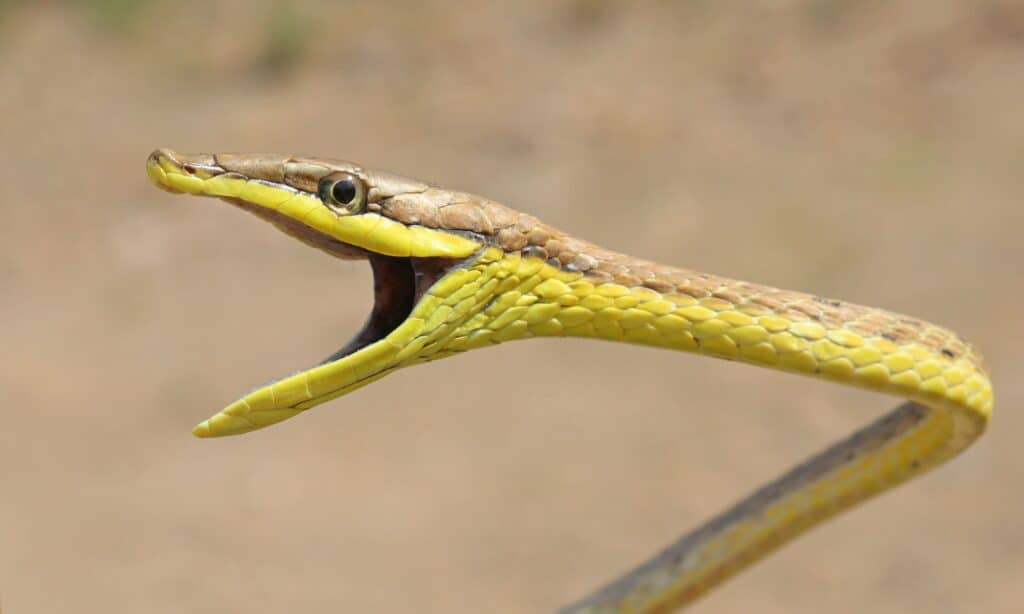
423,244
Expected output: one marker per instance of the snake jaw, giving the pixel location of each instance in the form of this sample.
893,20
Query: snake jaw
369,355
403,318
406,261
278,184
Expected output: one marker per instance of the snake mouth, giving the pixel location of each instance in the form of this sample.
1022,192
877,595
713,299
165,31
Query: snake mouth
398,285
394,294
406,263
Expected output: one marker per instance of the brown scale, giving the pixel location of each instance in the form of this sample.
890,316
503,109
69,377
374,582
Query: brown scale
513,231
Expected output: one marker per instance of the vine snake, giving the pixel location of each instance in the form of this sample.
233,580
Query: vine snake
453,272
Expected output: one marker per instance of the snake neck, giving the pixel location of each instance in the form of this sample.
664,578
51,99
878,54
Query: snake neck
502,296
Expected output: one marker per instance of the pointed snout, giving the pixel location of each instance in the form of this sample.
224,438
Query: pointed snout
176,172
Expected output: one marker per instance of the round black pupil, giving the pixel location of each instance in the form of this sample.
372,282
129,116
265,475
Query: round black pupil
344,191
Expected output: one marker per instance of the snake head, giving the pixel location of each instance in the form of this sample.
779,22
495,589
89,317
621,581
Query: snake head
426,247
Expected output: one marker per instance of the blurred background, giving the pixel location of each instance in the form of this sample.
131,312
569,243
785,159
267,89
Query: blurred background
871,151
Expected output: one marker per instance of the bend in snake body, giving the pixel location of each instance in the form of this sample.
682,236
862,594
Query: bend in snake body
496,275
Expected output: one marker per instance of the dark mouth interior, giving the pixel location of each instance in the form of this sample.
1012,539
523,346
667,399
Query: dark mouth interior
398,283
394,294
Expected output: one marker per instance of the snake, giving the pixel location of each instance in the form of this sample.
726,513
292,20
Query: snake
454,272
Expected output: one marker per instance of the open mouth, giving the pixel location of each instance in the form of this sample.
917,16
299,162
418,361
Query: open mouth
394,293
407,261
398,282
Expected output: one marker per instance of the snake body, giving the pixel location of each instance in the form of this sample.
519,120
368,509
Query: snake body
487,274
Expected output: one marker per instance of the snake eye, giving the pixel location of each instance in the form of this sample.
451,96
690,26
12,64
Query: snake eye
342,190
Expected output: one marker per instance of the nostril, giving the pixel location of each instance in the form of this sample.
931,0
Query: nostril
188,168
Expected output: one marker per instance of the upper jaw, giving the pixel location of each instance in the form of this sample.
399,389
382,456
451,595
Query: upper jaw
297,173
287,186
294,172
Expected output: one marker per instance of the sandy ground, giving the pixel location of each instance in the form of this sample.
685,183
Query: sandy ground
869,151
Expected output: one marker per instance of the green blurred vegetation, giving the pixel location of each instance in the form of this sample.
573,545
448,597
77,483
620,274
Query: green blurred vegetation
111,15
828,13
115,15
282,41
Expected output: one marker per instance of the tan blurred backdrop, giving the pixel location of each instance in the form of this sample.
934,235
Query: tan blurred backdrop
872,151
